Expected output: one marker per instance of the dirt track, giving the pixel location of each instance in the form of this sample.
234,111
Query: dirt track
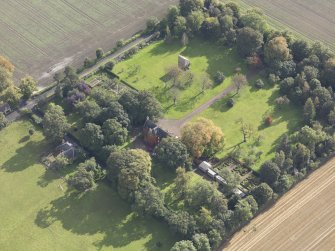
304,219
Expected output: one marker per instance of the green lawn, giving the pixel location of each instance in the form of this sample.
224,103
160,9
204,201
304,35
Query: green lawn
36,214
252,105
206,59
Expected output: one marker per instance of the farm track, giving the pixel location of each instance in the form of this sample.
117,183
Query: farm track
303,219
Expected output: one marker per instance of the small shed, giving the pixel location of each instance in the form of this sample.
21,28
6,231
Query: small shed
183,63
220,180
211,173
5,108
204,166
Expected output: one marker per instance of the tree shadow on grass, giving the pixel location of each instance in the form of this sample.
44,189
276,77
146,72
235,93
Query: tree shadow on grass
25,157
97,211
24,139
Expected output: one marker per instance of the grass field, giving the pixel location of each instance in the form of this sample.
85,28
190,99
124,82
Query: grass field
252,105
206,58
35,213
38,36
307,18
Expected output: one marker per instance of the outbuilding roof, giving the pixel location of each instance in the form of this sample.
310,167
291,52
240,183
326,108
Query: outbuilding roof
205,165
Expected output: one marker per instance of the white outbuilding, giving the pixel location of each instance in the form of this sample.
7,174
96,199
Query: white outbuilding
204,166
211,173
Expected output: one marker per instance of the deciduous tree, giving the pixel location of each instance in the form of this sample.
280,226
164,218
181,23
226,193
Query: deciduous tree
55,124
248,41
171,153
27,87
114,132
202,137
276,50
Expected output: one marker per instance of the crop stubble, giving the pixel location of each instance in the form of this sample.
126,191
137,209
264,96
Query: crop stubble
39,35
309,18
304,219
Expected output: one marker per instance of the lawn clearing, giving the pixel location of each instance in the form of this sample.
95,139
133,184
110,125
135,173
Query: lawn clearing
252,105
151,63
37,214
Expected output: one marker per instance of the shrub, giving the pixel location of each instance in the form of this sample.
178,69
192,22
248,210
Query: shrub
31,131
99,53
120,43
88,62
110,65
219,77
59,163
259,84
230,102
268,120
36,119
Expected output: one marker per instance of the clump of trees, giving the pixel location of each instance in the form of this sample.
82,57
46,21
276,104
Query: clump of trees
55,124
9,93
86,175
172,153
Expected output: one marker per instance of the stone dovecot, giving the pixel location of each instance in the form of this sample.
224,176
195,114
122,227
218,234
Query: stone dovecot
183,63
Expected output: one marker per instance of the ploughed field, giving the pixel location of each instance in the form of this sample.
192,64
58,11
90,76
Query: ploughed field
310,18
304,219
40,37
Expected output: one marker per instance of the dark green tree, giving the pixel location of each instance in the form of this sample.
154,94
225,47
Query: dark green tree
183,246
89,110
99,53
128,169
171,153
269,172
248,41
187,6
91,136
27,87
262,193
149,200
55,124
114,133
309,111
201,242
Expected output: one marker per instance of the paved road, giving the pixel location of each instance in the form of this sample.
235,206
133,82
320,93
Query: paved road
174,125
31,103
303,219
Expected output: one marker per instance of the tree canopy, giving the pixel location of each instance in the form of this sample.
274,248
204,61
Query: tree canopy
202,137
172,153
55,124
